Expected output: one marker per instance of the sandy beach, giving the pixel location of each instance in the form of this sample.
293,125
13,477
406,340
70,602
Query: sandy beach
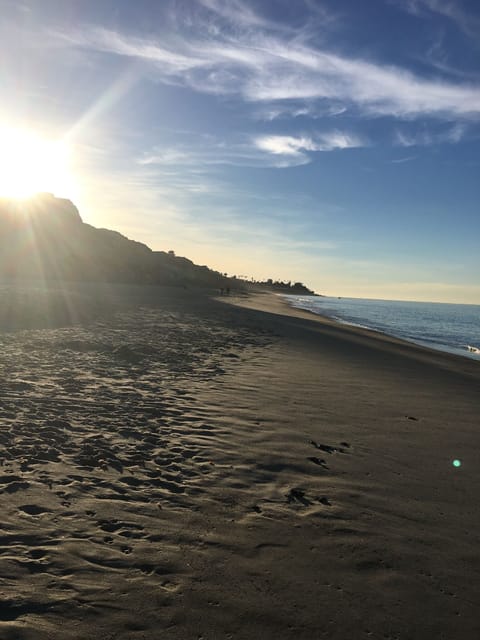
175,465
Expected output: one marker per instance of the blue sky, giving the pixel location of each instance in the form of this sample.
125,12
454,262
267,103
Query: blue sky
332,142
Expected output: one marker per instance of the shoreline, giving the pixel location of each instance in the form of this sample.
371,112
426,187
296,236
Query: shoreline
465,353
276,304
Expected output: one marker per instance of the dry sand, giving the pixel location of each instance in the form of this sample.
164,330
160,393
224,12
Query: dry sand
188,468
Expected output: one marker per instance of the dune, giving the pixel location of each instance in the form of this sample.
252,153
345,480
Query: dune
179,466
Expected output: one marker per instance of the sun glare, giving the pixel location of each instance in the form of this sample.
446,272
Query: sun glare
30,164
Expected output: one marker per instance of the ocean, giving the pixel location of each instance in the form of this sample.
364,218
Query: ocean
454,328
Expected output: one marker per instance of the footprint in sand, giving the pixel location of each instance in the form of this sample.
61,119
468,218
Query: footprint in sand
328,448
318,461
37,554
110,526
13,609
12,483
126,550
33,509
297,495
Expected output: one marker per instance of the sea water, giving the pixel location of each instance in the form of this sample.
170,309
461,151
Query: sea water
447,327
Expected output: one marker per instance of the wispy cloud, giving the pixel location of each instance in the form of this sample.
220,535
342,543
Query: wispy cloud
438,57
453,10
285,145
456,133
451,135
279,111
270,66
339,140
403,160
238,12
259,151
217,154
296,146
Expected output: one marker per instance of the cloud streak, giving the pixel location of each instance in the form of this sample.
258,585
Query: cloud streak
469,24
426,138
237,12
296,146
259,151
270,66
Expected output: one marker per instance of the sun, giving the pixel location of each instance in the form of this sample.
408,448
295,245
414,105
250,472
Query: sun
30,164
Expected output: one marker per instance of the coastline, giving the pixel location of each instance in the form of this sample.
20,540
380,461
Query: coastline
224,468
279,306
466,351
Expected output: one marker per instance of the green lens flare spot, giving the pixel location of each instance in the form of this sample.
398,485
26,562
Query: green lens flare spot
457,463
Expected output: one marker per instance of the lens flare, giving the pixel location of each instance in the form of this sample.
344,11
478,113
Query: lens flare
457,463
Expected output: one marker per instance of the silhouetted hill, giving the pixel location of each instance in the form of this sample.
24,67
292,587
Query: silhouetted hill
45,237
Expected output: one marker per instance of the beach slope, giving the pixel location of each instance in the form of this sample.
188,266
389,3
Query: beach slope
184,467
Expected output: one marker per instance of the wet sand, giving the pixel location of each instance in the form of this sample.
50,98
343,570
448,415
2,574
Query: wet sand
177,466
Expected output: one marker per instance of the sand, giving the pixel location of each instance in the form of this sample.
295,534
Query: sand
178,466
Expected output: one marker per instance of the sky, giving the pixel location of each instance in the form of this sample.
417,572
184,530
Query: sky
332,142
